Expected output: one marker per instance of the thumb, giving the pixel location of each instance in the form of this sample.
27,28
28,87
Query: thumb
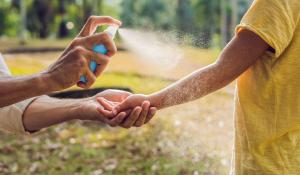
121,107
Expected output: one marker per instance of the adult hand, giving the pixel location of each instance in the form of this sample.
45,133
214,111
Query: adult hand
89,29
141,113
93,22
74,61
89,108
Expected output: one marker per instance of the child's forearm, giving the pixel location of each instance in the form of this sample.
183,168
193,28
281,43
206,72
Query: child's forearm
242,52
192,87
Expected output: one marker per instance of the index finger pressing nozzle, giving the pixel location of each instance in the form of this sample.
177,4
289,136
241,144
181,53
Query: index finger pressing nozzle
101,49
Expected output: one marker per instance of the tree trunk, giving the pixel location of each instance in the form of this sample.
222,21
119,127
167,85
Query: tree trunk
224,23
97,7
234,16
87,11
250,2
212,25
23,22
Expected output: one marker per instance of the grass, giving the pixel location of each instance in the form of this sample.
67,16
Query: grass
9,43
194,138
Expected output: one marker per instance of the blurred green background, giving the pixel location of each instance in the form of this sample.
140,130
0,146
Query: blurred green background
208,21
195,138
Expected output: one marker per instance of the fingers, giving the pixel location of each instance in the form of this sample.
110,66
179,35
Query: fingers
141,120
82,56
129,121
101,67
105,103
107,114
101,61
89,42
136,118
151,114
94,21
117,120
121,95
106,117
100,38
115,96
91,78
98,58
86,57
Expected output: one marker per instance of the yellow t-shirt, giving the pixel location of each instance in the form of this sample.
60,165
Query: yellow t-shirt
267,100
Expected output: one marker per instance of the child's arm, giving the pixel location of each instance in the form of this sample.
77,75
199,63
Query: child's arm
242,52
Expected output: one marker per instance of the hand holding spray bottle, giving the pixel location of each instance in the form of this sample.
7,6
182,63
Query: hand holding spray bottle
101,49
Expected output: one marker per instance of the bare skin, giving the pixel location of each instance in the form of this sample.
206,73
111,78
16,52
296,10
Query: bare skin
46,111
241,53
66,71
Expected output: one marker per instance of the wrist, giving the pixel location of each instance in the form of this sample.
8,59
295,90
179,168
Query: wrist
79,109
41,82
46,83
156,101
75,110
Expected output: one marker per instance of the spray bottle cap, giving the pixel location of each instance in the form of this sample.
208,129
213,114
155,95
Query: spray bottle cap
112,30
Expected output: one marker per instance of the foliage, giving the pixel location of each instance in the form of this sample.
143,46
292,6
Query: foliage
9,19
198,19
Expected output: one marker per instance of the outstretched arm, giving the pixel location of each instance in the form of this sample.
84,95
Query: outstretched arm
46,111
242,52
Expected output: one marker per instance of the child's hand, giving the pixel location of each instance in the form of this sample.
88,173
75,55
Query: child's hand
130,102
133,102
137,108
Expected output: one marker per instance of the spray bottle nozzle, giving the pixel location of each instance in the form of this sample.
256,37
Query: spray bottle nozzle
112,30
100,48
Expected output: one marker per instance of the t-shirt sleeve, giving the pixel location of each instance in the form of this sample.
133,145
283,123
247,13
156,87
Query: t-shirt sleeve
11,117
274,21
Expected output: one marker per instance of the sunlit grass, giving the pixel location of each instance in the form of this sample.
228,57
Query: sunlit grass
13,43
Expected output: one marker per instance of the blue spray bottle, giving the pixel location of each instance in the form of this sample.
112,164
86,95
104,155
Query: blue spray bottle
111,30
